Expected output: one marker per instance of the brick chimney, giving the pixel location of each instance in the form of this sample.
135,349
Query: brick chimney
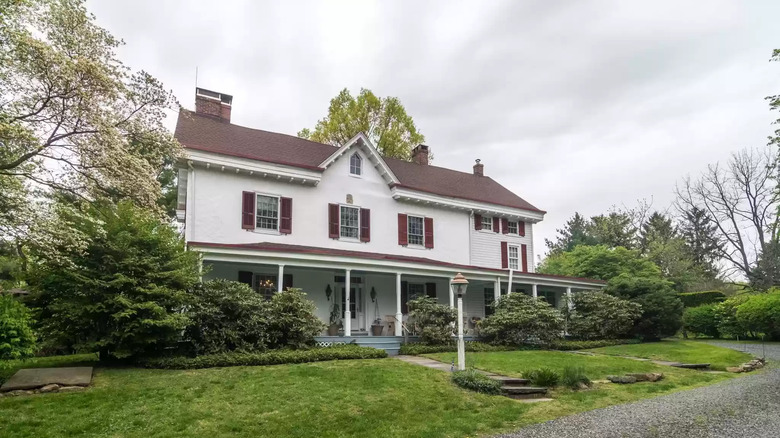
479,168
213,104
420,154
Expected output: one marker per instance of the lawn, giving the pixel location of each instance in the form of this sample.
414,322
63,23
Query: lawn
680,351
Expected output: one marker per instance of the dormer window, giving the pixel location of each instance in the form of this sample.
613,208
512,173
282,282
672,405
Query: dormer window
355,164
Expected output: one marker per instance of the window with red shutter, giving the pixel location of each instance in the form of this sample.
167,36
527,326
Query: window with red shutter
504,225
403,236
477,221
365,225
504,255
333,221
521,228
524,257
248,210
496,224
429,232
285,223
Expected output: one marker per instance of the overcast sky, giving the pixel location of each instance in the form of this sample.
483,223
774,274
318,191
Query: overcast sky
575,106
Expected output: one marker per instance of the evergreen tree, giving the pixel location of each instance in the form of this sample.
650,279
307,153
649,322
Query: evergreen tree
658,228
574,232
700,234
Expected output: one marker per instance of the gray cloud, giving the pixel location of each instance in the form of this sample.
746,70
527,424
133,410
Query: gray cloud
576,106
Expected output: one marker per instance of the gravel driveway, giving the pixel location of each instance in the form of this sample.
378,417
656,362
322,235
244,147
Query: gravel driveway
743,407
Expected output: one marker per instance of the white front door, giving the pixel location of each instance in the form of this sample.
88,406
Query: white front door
355,305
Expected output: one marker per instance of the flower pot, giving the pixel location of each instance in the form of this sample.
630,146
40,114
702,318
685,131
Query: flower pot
333,330
376,329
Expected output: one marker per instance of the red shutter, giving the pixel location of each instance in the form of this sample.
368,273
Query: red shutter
477,221
333,221
504,255
365,225
521,228
429,232
496,224
403,232
248,210
285,224
505,225
524,257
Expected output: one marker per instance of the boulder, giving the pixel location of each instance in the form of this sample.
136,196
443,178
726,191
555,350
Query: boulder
646,377
622,379
71,388
50,388
734,369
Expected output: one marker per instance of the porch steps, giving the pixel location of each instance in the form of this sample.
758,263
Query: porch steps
517,388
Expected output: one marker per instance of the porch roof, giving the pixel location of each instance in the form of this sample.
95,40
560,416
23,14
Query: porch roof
312,250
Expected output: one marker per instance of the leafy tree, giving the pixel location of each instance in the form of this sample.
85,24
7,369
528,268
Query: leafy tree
700,234
701,320
726,313
383,120
433,320
661,308
614,229
291,320
677,265
599,262
518,318
121,295
761,314
574,233
72,117
766,274
226,316
597,315
17,340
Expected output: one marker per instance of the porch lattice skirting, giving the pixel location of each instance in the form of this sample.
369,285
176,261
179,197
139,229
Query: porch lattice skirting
391,344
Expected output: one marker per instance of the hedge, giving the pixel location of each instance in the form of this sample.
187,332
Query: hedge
414,349
273,357
476,381
695,299
566,345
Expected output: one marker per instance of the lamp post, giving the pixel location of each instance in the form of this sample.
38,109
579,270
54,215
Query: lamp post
459,285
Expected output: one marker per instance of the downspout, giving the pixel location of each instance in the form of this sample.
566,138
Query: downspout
470,230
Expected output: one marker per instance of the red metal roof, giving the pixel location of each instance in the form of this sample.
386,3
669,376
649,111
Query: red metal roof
212,134
301,249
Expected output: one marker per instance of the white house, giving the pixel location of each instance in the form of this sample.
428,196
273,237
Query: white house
274,211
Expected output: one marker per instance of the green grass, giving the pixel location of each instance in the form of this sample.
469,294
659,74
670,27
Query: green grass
680,351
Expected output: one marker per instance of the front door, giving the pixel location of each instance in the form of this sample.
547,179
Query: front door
355,305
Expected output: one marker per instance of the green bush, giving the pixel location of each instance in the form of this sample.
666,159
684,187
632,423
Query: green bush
695,299
761,314
17,340
597,315
573,377
567,345
519,318
291,320
433,320
701,320
543,377
726,314
473,380
226,316
274,357
661,308
413,349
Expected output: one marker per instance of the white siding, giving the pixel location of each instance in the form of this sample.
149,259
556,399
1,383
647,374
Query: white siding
486,246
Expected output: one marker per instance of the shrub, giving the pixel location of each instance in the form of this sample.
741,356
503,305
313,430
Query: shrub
519,318
291,322
226,316
597,315
17,340
574,376
701,320
695,299
726,314
761,314
543,377
433,320
567,345
475,381
274,357
661,308
414,349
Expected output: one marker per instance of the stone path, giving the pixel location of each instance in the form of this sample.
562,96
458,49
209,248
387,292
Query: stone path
740,407
33,378
424,361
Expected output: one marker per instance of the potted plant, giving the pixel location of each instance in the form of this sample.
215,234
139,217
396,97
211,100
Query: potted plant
376,327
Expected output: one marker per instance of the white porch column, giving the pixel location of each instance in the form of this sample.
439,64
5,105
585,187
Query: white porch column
497,289
534,292
568,298
511,281
280,279
347,313
398,315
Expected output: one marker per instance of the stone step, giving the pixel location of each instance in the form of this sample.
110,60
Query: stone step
510,381
693,366
523,390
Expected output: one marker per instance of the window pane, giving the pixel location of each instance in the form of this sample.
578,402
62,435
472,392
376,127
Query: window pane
513,227
415,230
489,299
355,164
350,222
513,257
267,212
487,223
265,285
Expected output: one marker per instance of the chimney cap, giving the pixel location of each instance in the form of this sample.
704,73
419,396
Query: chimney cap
477,160
222,97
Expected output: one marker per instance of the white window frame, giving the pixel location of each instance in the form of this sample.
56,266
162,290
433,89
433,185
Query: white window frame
409,227
278,212
517,227
487,223
516,259
358,167
341,223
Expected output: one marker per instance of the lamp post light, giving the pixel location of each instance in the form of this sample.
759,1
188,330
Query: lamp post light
459,285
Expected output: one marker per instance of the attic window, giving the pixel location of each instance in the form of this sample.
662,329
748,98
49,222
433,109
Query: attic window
355,164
